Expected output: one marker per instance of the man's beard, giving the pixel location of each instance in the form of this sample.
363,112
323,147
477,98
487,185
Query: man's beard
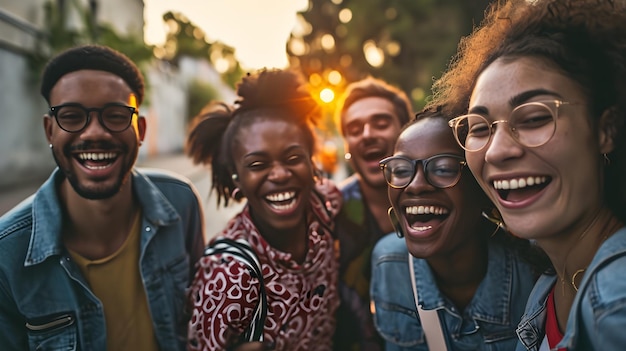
99,193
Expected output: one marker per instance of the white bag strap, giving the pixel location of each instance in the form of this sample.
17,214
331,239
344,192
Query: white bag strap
429,318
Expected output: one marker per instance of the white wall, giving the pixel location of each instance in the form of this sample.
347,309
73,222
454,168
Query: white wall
166,105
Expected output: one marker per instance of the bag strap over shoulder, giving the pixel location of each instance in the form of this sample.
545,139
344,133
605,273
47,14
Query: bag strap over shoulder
429,318
241,251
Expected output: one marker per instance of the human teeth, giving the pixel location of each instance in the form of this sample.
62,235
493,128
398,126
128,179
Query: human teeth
283,207
422,228
518,183
279,197
436,210
96,167
92,156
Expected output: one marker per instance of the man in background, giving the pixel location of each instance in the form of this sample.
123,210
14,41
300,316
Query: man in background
371,114
100,257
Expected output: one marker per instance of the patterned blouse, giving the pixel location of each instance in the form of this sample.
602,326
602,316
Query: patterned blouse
302,298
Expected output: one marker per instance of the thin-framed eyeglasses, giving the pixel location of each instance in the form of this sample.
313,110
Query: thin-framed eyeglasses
531,124
441,171
73,117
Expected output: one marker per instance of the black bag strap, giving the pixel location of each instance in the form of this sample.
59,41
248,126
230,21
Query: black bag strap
242,251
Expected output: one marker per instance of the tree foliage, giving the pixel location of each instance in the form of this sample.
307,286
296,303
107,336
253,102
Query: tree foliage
59,36
415,40
184,38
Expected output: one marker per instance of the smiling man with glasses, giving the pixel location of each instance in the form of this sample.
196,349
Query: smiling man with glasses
100,257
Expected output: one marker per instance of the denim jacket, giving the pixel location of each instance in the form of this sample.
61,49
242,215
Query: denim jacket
487,323
46,304
598,314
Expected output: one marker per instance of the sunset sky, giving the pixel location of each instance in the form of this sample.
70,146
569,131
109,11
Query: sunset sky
257,29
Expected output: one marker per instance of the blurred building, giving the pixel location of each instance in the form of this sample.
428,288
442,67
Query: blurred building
25,30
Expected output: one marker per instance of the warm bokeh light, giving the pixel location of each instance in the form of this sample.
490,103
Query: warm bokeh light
315,79
328,157
393,48
373,54
328,42
221,65
327,95
297,46
334,77
345,15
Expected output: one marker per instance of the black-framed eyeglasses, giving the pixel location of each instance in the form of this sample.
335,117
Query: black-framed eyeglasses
442,171
74,117
531,124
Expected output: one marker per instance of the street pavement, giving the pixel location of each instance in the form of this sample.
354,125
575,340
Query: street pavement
215,218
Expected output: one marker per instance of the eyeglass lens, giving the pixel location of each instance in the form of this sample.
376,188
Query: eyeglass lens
531,124
442,171
114,118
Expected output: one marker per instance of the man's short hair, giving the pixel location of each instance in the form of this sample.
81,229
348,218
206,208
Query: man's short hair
93,57
374,87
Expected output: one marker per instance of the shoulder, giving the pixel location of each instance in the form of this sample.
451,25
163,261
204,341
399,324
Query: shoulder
174,187
42,205
390,247
606,271
17,220
164,178
349,187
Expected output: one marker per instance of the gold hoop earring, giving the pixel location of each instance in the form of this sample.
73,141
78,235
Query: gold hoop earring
494,217
395,222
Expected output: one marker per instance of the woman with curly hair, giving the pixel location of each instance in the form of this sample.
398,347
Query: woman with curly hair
262,150
544,86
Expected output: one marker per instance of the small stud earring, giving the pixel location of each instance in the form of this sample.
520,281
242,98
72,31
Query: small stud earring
50,146
347,156
234,176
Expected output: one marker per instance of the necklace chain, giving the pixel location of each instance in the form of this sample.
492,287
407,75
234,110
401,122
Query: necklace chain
572,281
581,271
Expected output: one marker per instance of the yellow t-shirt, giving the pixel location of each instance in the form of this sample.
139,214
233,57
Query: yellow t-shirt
117,282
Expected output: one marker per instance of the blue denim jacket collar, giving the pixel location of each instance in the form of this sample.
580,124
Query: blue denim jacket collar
46,240
531,329
497,283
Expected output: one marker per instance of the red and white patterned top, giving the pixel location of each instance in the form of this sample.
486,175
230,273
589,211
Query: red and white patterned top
302,298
